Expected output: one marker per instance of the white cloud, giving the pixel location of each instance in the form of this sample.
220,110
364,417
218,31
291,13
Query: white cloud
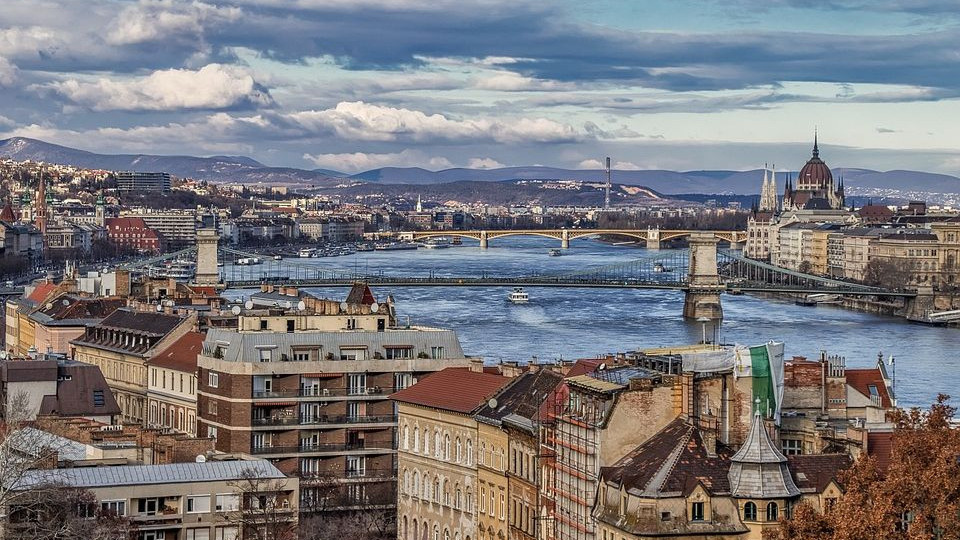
366,122
484,163
213,86
615,165
360,161
26,41
152,20
8,72
508,81
6,122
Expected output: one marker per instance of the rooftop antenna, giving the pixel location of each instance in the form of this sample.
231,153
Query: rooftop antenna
606,197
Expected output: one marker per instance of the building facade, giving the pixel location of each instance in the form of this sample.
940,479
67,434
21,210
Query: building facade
172,385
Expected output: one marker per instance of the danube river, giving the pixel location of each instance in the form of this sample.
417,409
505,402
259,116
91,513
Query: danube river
574,323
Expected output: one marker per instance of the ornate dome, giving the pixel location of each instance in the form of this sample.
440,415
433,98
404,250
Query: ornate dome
815,174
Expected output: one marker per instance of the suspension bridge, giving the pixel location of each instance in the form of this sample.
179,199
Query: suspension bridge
702,271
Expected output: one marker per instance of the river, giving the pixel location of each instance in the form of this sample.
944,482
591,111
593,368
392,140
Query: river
572,323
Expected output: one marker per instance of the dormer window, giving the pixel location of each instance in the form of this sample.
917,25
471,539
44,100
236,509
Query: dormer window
697,511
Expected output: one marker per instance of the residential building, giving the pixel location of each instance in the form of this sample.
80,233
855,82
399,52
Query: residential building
121,344
55,386
914,253
177,228
135,181
759,231
212,500
172,384
66,317
316,402
132,233
439,495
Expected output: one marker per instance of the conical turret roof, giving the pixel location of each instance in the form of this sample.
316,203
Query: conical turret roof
759,470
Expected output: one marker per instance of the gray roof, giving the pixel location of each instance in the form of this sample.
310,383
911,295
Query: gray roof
243,347
759,470
133,475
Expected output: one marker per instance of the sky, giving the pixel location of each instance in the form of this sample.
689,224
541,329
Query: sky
352,85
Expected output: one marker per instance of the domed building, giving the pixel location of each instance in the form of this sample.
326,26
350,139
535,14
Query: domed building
814,187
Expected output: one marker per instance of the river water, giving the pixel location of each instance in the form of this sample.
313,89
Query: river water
575,323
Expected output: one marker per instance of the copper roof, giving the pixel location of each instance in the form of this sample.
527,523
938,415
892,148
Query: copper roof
181,355
453,389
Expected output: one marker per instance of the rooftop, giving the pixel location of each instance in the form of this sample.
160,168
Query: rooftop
181,355
453,389
134,475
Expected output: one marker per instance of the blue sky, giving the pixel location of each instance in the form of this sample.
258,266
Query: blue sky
358,84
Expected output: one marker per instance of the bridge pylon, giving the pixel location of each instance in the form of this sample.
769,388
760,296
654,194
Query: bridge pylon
208,272
702,293
653,238
565,239
484,243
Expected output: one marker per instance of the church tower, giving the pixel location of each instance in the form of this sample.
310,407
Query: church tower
40,205
100,211
768,194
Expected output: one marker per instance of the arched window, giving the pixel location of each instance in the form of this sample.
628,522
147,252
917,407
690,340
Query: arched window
446,447
406,533
446,534
426,442
406,437
416,439
459,454
458,498
436,532
406,482
446,492
750,512
469,452
772,511
436,490
416,484
426,487
483,452
437,449
416,530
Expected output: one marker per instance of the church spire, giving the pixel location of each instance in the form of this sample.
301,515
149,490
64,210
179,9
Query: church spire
816,148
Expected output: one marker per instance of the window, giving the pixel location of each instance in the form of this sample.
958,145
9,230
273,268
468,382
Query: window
98,400
260,440
213,379
791,447
198,503
773,511
402,380
212,407
696,511
357,384
483,499
469,452
265,355
228,502
147,506
301,356
446,447
750,512
263,324
227,533
356,466
436,352
212,432
394,353
503,506
291,324
116,508
198,534
351,324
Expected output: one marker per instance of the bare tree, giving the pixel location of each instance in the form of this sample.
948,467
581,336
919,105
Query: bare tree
266,509
59,512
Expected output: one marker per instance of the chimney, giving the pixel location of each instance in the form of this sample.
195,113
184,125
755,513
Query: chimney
709,435
476,365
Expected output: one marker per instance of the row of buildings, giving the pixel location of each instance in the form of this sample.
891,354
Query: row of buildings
695,442
809,230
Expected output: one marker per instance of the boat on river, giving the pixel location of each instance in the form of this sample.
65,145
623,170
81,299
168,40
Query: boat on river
519,296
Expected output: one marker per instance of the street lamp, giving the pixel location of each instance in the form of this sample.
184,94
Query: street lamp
703,323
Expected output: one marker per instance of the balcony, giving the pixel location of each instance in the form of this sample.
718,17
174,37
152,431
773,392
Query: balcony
371,447
316,392
348,476
347,420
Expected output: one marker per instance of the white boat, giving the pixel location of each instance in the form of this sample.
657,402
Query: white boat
436,243
555,252
519,296
306,253
246,261
396,246
278,257
660,268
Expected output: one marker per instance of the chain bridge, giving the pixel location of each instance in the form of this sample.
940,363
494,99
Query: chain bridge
703,272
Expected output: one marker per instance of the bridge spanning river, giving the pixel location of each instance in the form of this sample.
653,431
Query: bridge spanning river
702,272
652,237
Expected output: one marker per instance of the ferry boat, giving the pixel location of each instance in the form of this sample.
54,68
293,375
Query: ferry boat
396,246
278,257
436,243
306,253
555,252
519,296
660,268
179,269
247,261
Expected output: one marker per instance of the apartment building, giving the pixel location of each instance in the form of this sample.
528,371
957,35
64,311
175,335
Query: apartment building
914,252
142,181
120,346
54,386
439,495
214,500
177,228
66,317
316,402
172,385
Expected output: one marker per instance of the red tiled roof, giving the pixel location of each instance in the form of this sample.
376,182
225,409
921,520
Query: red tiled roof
583,366
453,389
813,472
181,355
862,379
880,447
41,292
7,214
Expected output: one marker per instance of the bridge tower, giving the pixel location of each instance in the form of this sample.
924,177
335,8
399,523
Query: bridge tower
484,243
653,238
702,293
565,239
207,271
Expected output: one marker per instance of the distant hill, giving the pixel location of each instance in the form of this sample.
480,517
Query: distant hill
898,183
215,168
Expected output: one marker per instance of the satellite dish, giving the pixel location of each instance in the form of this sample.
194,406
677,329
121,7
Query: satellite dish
201,458
235,310
374,307
492,403
301,305
49,305
602,366
248,304
159,307
65,302
344,306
